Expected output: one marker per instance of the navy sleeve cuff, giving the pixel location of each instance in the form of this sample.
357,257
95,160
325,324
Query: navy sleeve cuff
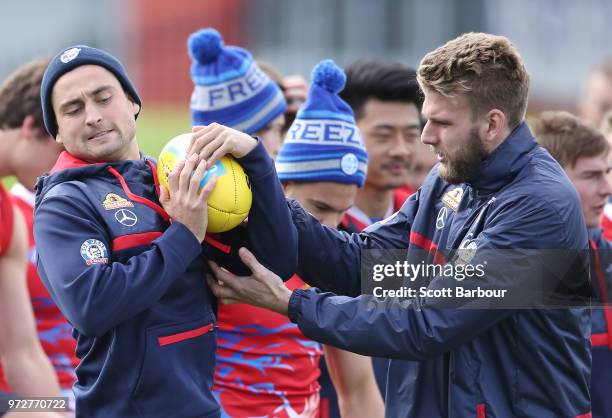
257,163
295,305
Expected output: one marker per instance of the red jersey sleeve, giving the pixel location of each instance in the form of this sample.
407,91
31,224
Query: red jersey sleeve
6,220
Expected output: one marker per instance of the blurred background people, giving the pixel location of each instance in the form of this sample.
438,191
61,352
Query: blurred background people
256,348
597,95
27,371
583,152
26,152
386,101
423,161
322,163
243,98
384,98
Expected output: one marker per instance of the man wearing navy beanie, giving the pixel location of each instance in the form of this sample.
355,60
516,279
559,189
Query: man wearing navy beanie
123,261
69,60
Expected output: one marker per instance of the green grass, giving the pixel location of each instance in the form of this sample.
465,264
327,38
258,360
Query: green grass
159,124
156,125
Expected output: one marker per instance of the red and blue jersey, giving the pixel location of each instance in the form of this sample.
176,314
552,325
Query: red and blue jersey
266,367
6,234
355,220
54,331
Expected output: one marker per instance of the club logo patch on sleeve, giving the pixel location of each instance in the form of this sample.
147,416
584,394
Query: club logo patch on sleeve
94,252
113,201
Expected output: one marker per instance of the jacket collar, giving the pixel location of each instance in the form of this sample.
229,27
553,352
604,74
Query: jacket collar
505,162
67,160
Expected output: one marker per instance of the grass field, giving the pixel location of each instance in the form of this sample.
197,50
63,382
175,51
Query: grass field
156,125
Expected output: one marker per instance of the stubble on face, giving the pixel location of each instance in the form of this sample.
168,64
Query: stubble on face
461,164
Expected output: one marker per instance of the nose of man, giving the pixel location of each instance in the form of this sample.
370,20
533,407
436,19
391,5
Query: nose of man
606,188
93,116
428,136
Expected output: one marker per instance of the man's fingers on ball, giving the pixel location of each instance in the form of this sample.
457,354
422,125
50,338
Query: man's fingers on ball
198,175
164,196
208,188
209,149
187,171
202,138
217,155
173,178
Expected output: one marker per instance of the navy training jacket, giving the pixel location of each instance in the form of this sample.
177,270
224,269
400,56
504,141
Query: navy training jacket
461,363
133,285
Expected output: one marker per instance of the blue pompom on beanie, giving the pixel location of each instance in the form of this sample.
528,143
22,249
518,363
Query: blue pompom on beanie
230,88
71,58
324,143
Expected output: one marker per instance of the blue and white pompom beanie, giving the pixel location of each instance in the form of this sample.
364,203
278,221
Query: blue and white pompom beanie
324,143
230,88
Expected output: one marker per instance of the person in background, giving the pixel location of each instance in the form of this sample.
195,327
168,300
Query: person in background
272,134
606,216
248,101
255,350
26,368
584,153
423,161
386,101
294,87
597,93
26,152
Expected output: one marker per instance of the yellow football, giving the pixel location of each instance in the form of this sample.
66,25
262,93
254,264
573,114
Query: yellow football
230,201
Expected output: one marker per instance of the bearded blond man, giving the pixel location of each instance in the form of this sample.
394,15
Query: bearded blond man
494,189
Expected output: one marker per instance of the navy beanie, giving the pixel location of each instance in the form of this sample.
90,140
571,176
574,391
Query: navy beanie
68,60
323,142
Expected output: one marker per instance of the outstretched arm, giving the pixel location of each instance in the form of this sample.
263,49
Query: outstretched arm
270,232
330,259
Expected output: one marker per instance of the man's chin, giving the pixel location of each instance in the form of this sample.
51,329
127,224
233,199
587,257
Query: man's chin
593,222
448,175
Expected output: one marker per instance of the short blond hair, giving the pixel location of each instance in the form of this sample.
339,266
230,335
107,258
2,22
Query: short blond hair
568,138
486,68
